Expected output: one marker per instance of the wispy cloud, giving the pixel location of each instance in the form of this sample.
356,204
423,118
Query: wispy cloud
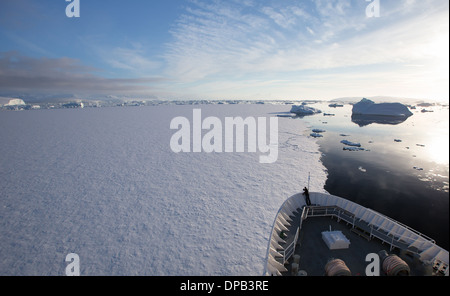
242,48
133,60
224,41
27,44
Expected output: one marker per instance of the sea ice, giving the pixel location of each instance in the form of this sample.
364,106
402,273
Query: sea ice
103,183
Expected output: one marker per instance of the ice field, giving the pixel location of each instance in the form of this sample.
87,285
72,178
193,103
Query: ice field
104,183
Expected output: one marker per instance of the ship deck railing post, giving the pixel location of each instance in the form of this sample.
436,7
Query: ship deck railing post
392,243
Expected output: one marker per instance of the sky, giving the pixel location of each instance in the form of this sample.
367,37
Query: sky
246,49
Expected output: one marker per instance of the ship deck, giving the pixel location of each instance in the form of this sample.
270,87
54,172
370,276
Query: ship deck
315,254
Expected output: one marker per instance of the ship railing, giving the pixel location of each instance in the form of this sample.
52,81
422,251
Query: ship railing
290,249
392,238
373,223
328,211
404,226
386,228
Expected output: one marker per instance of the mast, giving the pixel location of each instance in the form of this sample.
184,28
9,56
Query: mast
309,177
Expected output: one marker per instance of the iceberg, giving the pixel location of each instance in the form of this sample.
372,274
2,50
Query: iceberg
304,110
368,107
15,102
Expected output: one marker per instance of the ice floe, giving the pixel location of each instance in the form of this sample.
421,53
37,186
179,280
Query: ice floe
316,135
351,146
348,143
353,149
317,130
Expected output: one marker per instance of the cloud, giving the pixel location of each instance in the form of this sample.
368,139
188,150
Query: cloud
284,18
223,42
20,73
219,48
133,60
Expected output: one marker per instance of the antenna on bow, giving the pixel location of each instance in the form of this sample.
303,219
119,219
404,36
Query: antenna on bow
309,177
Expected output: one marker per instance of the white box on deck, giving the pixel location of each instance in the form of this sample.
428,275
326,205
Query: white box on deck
335,240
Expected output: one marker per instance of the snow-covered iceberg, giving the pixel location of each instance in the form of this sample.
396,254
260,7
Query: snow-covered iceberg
368,107
304,110
15,102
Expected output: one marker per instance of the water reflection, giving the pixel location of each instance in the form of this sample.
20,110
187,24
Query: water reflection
364,120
